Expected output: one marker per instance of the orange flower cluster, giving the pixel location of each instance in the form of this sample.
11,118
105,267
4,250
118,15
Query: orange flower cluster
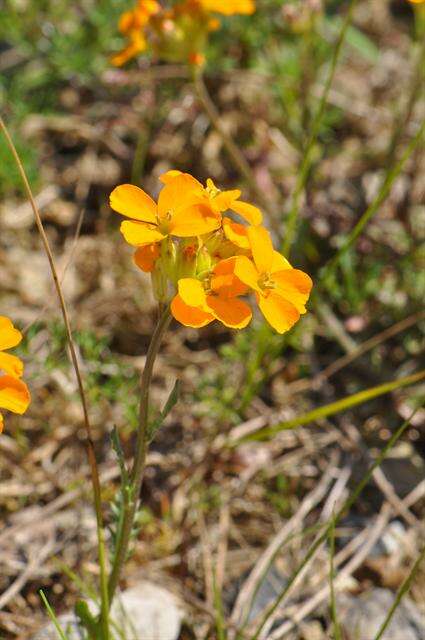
176,34
203,262
14,394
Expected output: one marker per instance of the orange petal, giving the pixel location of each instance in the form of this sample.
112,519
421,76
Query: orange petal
261,247
189,316
192,292
278,312
248,212
168,176
11,365
236,233
129,52
232,312
146,256
246,272
133,202
194,221
14,394
9,336
139,234
295,286
225,282
179,192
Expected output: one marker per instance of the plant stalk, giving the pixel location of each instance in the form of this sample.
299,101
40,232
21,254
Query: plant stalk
232,149
104,612
139,464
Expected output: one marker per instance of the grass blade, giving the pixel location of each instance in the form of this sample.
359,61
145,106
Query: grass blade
334,616
335,407
52,616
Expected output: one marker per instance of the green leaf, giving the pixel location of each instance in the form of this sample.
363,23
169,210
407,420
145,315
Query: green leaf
169,405
52,616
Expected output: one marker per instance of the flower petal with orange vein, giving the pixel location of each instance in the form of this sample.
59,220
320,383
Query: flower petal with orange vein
11,365
133,202
192,292
232,312
14,394
139,234
295,286
194,221
9,336
146,256
189,316
246,271
236,233
279,313
261,247
248,212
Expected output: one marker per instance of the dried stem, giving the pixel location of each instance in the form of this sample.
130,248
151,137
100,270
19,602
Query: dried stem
232,149
89,438
142,445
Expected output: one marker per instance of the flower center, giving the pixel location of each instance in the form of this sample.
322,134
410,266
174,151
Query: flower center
266,281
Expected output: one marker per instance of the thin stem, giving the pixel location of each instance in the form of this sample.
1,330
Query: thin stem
304,169
142,445
89,438
232,149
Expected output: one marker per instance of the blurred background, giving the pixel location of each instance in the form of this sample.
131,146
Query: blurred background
78,124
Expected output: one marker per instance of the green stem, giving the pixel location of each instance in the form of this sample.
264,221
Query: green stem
142,445
304,169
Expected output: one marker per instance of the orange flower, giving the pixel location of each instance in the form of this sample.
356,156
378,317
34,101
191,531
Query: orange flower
199,302
179,212
14,394
281,291
132,24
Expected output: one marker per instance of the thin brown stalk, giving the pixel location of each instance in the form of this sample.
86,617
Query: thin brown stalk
89,435
232,149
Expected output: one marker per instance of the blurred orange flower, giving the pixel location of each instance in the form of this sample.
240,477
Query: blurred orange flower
14,394
132,25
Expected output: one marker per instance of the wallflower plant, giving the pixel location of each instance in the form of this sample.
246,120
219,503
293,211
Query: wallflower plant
14,393
206,250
